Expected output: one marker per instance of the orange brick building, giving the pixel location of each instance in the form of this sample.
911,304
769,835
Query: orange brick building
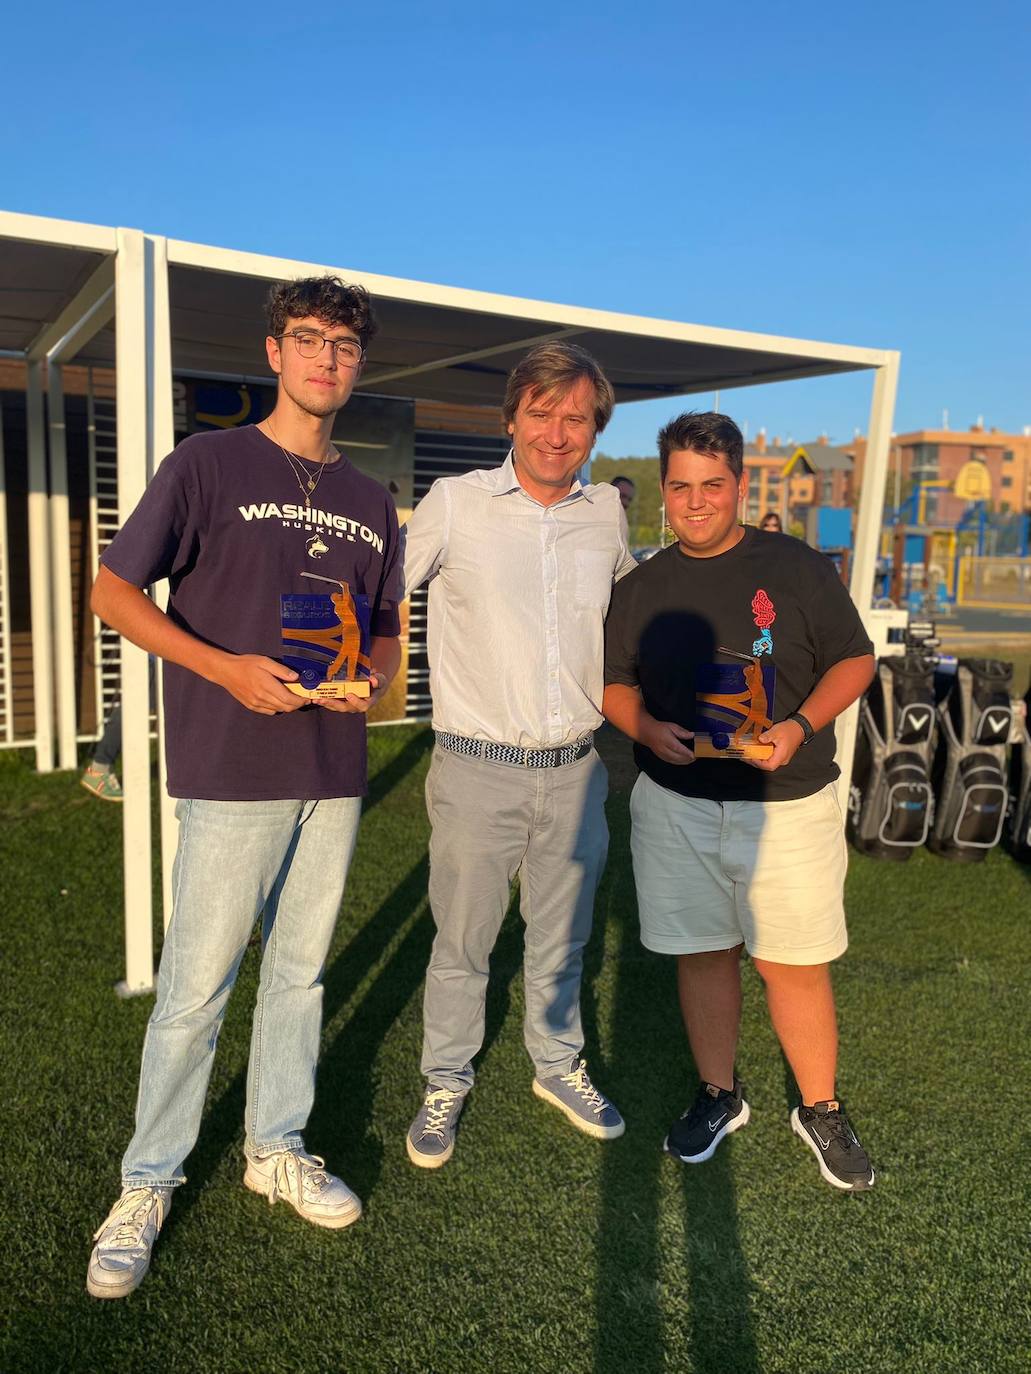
789,478
937,455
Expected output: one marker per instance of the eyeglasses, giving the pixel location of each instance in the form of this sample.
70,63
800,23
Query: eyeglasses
310,345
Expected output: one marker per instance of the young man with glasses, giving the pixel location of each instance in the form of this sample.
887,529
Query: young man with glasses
269,783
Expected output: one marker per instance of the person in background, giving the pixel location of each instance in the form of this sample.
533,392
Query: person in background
771,522
625,487
99,776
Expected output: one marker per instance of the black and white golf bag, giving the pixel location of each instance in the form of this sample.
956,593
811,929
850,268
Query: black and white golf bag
890,801
970,766
1019,833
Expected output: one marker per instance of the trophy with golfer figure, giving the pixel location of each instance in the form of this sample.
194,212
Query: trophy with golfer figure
733,705
326,640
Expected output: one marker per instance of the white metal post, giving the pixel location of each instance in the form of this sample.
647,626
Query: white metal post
61,569
869,520
6,695
131,381
161,442
39,570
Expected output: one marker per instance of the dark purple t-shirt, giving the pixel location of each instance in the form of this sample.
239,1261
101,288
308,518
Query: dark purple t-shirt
224,520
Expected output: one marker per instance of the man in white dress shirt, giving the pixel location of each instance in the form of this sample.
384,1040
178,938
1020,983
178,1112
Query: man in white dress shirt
520,560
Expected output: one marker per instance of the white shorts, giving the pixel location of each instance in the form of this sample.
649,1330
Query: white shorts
711,875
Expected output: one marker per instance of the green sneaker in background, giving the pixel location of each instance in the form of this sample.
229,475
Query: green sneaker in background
102,782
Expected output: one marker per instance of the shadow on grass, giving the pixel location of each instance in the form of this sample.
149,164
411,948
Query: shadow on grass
346,1076
345,1073
383,782
344,1104
222,1117
721,1334
646,1047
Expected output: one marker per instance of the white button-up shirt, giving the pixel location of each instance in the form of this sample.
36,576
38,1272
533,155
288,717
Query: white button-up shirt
517,599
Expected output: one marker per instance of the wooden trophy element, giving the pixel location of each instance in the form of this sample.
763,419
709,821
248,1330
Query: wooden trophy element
748,713
340,677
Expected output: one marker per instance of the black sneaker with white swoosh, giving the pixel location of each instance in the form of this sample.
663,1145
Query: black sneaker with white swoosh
714,1113
827,1131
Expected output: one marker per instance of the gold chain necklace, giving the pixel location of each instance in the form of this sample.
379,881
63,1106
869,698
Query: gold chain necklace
306,484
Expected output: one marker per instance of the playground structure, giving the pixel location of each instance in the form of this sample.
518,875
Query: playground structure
931,567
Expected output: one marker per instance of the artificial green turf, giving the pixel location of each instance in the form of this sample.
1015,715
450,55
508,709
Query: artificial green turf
535,1248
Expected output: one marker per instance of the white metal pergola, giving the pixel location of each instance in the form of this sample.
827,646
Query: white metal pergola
137,301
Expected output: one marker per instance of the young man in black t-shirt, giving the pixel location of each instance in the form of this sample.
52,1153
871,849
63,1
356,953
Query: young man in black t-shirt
739,635
269,784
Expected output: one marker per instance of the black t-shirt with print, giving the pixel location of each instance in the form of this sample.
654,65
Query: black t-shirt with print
771,596
224,520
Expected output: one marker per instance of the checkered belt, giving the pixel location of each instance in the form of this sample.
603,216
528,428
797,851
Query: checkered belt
511,753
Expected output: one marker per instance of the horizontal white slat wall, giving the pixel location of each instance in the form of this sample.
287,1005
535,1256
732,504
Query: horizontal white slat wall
439,455
103,526
6,695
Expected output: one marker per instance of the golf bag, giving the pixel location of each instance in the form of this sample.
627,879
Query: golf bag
1020,791
969,773
890,800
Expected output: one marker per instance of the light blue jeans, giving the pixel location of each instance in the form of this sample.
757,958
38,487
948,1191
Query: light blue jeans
287,860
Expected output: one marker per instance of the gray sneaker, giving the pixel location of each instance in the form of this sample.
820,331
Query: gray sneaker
121,1255
574,1094
431,1136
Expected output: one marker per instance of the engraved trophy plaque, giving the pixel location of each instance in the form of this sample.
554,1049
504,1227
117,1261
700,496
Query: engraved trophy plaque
326,641
733,705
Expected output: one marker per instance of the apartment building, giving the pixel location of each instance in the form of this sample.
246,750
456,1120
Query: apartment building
790,478
935,457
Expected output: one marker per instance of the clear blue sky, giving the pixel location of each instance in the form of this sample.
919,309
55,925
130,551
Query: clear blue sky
858,174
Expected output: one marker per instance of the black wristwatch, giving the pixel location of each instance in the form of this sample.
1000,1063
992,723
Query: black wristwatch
807,730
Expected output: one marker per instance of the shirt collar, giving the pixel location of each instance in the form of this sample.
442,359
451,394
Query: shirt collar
505,481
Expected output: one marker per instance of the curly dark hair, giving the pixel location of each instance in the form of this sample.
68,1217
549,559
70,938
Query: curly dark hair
703,431
322,298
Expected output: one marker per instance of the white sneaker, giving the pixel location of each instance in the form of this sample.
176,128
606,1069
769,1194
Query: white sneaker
304,1181
121,1256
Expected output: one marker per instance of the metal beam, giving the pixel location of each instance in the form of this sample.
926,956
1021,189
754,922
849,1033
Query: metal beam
82,306
6,693
870,516
869,519
131,379
545,313
61,571
456,358
723,382
160,442
39,570
96,319
57,233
